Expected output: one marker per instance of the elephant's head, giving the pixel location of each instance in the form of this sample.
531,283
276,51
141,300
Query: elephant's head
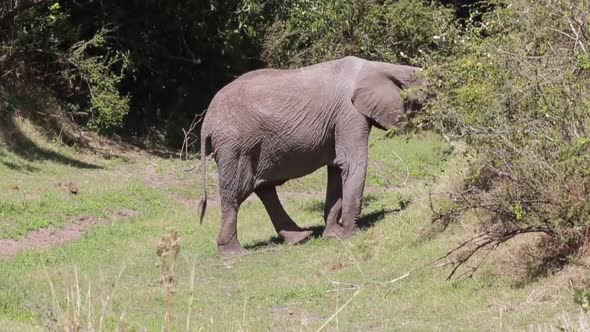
389,94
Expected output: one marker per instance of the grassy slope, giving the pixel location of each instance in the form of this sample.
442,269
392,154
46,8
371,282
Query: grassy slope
279,287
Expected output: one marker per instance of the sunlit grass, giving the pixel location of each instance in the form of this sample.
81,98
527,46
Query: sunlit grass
388,268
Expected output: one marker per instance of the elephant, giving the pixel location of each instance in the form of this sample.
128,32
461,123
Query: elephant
269,126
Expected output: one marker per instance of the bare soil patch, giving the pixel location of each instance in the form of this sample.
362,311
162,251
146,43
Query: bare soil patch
46,237
50,237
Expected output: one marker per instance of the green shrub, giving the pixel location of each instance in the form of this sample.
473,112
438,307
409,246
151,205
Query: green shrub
45,46
131,66
518,91
107,107
311,31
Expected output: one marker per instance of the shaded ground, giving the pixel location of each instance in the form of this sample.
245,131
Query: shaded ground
19,143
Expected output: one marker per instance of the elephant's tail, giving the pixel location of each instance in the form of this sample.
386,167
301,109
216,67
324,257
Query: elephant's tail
203,202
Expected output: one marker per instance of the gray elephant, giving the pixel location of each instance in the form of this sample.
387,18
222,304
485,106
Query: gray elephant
269,126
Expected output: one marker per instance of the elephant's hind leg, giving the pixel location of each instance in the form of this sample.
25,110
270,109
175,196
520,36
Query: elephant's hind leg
236,183
227,240
283,224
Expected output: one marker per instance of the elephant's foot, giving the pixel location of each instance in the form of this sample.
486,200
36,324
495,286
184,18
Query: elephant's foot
336,231
295,237
231,250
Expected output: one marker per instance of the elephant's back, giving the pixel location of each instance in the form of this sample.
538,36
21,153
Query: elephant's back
300,101
270,98
292,109
279,83
267,73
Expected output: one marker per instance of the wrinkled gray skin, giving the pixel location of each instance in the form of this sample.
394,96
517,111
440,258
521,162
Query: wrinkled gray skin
270,126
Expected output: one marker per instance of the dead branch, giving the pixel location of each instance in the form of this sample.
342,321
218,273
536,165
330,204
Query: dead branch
189,136
489,241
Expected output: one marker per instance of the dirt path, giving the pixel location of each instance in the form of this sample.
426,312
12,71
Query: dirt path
51,236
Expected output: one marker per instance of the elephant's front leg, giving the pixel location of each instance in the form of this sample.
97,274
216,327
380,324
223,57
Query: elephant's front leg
333,205
283,224
351,156
352,195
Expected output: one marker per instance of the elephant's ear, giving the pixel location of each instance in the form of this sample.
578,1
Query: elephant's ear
378,98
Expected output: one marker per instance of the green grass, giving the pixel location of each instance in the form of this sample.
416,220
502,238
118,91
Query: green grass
53,207
278,287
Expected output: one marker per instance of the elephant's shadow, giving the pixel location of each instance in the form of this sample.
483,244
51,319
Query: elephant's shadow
366,221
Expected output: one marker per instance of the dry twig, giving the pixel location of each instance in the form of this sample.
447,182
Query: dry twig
190,137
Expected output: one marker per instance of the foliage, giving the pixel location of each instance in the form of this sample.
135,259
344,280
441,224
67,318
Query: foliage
517,90
145,68
308,32
107,106
180,54
130,66
81,66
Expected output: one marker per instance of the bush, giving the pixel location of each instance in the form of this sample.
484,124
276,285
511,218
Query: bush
44,46
107,106
312,31
518,90
130,66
